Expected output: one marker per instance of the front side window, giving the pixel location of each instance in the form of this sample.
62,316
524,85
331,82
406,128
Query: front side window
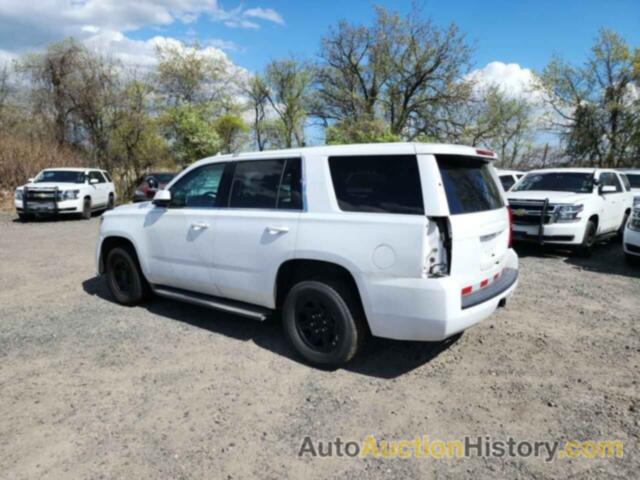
60,176
97,176
377,183
625,182
198,188
608,179
468,184
576,182
256,184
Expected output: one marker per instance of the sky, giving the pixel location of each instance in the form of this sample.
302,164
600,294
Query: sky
512,38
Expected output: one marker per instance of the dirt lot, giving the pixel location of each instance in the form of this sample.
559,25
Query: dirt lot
90,389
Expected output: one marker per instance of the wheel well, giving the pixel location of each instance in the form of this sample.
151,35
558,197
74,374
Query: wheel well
294,271
595,220
109,244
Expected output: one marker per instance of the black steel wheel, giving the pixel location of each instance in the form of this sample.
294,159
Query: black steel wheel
124,277
323,322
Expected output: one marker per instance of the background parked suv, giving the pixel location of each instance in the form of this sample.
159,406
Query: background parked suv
63,191
149,184
405,241
570,206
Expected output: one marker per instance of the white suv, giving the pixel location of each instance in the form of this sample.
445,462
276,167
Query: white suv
631,241
405,241
62,191
570,206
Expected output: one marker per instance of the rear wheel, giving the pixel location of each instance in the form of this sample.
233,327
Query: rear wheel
323,322
86,209
124,277
586,248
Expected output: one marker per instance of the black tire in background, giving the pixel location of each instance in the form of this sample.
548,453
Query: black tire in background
323,322
110,202
124,277
25,217
623,226
86,209
586,248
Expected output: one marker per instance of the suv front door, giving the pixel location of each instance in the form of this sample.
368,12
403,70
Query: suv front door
614,202
180,237
257,231
100,190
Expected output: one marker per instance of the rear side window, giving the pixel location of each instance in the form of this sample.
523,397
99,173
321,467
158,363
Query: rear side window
380,184
634,180
267,184
507,181
468,184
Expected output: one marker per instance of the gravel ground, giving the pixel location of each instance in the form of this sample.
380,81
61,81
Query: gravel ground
90,389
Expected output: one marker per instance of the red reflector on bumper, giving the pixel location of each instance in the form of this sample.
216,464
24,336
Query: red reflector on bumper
484,283
466,291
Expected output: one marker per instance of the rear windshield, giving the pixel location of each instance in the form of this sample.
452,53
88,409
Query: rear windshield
575,182
377,183
60,176
634,180
469,185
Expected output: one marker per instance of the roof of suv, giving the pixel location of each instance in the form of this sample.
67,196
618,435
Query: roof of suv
572,170
399,148
72,169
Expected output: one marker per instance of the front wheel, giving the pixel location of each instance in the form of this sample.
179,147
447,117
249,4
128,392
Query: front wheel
124,277
323,322
110,202
623,226
25,217
586,248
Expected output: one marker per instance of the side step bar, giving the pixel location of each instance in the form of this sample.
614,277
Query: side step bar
229,306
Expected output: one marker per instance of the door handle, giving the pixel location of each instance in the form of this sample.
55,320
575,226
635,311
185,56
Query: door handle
199,226
277,229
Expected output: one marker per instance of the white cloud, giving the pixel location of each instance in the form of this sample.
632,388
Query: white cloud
30,25
511,77
265,14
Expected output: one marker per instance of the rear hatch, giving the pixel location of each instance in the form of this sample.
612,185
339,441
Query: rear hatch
479,221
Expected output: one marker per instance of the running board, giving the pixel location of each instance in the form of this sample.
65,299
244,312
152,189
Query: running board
606,236
229,306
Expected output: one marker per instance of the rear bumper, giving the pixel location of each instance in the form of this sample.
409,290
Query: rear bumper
432,309
560,233
631,242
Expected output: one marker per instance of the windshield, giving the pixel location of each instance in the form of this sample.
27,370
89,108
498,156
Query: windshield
60,176
557,182
634,180
163,177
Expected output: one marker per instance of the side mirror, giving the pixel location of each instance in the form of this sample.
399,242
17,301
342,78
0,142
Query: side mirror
604,189
93,181
162,198
30,180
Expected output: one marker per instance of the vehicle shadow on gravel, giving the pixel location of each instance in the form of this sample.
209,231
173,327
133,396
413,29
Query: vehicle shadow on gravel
381,358
607,258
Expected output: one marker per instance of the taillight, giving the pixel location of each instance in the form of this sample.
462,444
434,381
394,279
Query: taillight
510,226
485,153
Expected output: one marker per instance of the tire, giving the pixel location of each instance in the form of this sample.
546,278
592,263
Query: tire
586,248
632,260
623,226
86,209
110,202
25,217
322,320
124,277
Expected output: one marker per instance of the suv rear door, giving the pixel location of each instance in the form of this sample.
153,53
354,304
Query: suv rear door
480,229
256,229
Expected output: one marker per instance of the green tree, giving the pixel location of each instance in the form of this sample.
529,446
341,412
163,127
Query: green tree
363,131
230,129
190,133
289,86
597,111
400,70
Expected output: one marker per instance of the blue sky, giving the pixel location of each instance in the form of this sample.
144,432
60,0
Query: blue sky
522,32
